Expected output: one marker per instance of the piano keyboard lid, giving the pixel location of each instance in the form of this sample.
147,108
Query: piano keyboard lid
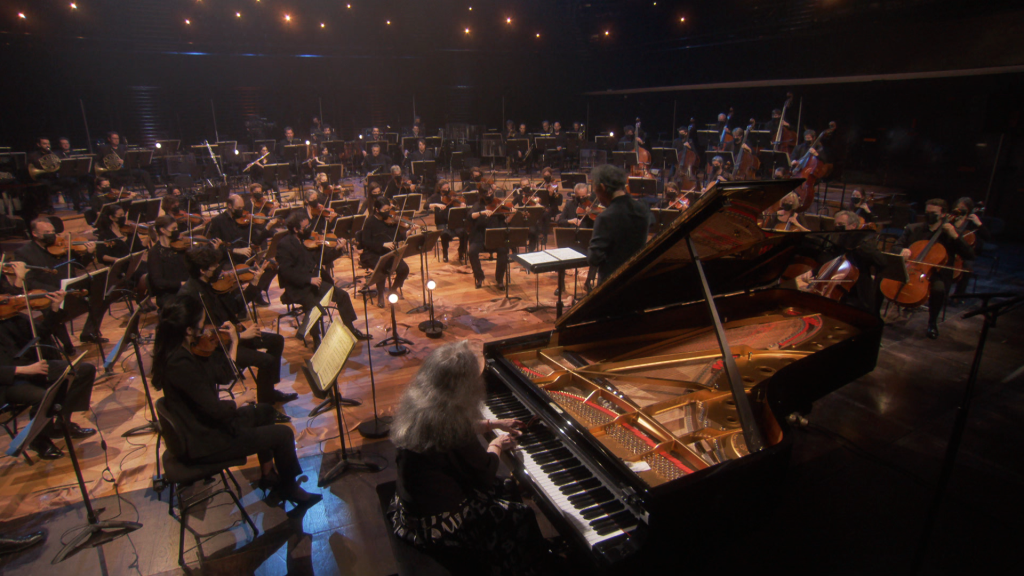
737,255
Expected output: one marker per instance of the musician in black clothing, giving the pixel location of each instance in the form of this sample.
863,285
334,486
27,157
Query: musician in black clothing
216,430
256,195
380,238
421,154
557,153
860,246
34,253
629,138
861,207
238,240
808,146
264,157
376,160
936,223
442,203
289,139
115,146
41,198
23,380
167,268
550,198
483,217
570,217
475,178
620,231
397,185
304,281
510,129
967,221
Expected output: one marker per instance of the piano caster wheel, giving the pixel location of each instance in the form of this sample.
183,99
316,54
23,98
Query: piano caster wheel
797,419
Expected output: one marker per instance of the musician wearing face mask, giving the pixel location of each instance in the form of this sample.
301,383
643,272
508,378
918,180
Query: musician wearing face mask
167,269
304,281
860,246
442,203
576,214
860,206
557,154
261,350
967,221
809,147
366,204
630,139
381,234
482,218
397,184
716,172
237,241
258,203
787,218
34,253
936,220
114,243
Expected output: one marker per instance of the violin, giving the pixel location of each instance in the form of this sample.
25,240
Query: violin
184,219
588,209
9,269
317,240
680,203
77,245
263,205
257,219
453,200
10,305
209,341
925,256
184,243
115,196
244,273
321,211
131,227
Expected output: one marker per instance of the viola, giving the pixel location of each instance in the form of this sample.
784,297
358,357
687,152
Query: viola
117,195
184,243
184,219
925,256
10,305
321,211
209,341
264,205
131,227
453,201
680,203
77,245
243,272
257,219
589,209
9,269
317,240
835,279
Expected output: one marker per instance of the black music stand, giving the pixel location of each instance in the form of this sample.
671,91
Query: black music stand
345,207
48,409
408,203
624,160
664,157
421,244
334,171
498,239
138,159
458,219
708,138
143,210
759,139
387,266
579,240
75,166
295,154
664,217
455,162
346,227
642,187
322,373
770,160
571,179
425,169
276,172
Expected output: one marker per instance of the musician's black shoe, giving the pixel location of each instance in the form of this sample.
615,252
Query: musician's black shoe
46,449
261,301
76,431
93,338
281,397
445,256
12,544
479,282
70,351
380,300
359,335
558,292
500,287
933,332
281,418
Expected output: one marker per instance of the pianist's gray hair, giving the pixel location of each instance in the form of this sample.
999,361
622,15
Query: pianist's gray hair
613,178
442,404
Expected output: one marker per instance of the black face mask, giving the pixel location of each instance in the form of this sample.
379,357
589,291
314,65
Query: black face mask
49,239
856,201
547,177
840,228
931,217
306,232
175,234
314,204
789,207
121,221
257,196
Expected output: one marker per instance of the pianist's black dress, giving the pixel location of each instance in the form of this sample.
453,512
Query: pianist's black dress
454,499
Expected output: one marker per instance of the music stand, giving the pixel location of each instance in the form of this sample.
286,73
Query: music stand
75,166
664,217
345,227
579,240
322,371
455,162
571,179
386,266
771,160
664,157
708,138
49,408
143,210
759,139
425,169
167,147
642,186
421,244
408,202
458,219
498,239
346,207
334,171
276,172
624,160
138,158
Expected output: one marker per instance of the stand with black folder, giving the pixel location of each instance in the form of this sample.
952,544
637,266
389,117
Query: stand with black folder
458,219
420,245
276,172
345,207
49,408
664,157
334,172
295,154
513,148
386,267
322,371
498,239
346,228
770,160
426,170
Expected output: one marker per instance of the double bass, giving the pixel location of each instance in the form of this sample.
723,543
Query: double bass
747,163
642,168
811,168
785,139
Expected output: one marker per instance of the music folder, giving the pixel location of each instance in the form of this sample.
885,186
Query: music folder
323,368
316,312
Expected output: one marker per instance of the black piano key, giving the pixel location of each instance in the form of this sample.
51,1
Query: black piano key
586,501
580,486
604,509
566,476
597,496
550,456
622,520
541,446
530,439
553,467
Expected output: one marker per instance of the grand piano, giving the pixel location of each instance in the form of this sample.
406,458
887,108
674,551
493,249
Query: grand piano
644,435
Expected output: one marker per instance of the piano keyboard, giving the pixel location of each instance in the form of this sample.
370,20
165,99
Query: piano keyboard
564,478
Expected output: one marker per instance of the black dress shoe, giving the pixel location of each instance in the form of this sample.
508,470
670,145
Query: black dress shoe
261,301
479,282
282,397
78,432
380,301
93,338
12,544
46,449
360,335
500,287
281,418
557,292
933,332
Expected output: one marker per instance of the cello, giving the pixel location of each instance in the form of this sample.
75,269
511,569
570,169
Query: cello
811,168
925,255
835,279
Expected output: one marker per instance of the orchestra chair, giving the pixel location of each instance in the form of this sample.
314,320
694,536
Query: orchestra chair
412,561
179,475
292,310
10,411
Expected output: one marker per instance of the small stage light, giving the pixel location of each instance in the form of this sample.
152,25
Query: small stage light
159,146
682,19
307,142
393,298
187,21
349,6
236,151
287,17
431,285
470,8
467,30
322,25
21,15
74,6
612,134
606,32
538,34
508,20
389,22
238,14
360,136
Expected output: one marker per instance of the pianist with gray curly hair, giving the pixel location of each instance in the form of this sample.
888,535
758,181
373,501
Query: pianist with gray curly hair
448,495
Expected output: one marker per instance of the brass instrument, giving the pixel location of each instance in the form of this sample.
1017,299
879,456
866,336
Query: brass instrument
111,163
47,165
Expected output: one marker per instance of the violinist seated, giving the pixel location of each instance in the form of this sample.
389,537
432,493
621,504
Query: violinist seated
303,279
258,204
261,350
483,216
115,146
442,203
166,261
366,204
580,211
216,430
859,245
36,253
787,218
376,160
936,220
673,200
24,380
104,194
525,196
967,221
238,241
549,197
397,185
476,178
381,234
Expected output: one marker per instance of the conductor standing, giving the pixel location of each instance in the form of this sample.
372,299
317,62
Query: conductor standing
620,231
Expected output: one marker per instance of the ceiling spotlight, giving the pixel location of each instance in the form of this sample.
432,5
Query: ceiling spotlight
389,22
74,6
606,32
21,15
349,6
393,298
538,34
187,21
287,17
470,8
238,14
508,20
307,142
612,134
431,285
322,25
682,19
467,30
159,145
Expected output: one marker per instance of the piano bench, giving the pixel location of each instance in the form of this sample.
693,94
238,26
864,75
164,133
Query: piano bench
412,561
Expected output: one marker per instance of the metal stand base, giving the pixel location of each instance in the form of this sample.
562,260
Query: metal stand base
374,429
328,403
147,428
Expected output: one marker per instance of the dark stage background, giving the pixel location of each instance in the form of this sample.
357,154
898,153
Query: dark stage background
136,67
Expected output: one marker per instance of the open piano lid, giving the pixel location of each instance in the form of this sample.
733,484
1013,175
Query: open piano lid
737,255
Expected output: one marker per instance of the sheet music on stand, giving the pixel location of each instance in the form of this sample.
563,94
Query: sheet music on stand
138,158
147,209
75,166
425,169
92,282
327,362
43,412
551,260
315,313
408,202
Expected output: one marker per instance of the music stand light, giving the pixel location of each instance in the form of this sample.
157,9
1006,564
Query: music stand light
432,328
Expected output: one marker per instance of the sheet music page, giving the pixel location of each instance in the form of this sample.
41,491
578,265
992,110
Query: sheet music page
332,354
534,258
565,254
67,281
